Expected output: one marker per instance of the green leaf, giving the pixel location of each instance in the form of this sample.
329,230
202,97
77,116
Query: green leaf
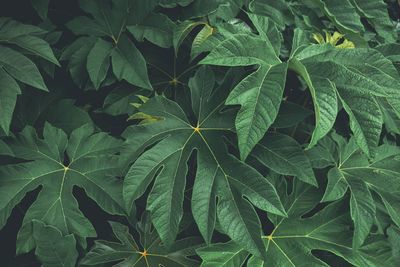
66,116
285,156
41,7
8,97
150,252
222,254
290,114
218,173
358,77
21,68
52,247
156,28
174,3
57,164
342,14
376,13
129,64
260,93
361,176
293,238
25,36
182,30
98,62
77,54
278,11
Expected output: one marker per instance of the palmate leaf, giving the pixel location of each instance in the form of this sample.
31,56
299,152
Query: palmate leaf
355,172
104,41
149,252
260,93
15,66
355,78
293,239
56,164
219,174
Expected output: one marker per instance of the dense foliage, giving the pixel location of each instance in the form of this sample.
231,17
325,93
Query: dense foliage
196,132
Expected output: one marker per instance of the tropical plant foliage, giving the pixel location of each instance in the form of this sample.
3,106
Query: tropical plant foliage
200,133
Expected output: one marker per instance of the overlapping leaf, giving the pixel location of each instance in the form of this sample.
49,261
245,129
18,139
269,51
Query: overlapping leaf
219,174
355,172
104,41
284,155
293,239
352,78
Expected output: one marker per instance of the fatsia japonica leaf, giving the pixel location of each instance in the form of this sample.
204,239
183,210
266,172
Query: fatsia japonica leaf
222,254
219,174
16,66
278,11
156,28
343,14
284,155
55,164
260,93
293,239
352,78
150,251
376,13
109,44
52,247
355,172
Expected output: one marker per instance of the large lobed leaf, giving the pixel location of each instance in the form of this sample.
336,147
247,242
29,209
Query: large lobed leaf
219,174
293,239
54,165
260,93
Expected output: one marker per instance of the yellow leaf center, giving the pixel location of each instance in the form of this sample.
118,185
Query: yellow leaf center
144,253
